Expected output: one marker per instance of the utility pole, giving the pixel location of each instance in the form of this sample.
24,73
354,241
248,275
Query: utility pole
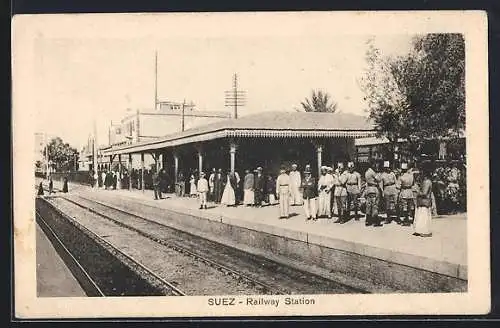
235,97
156,79
94,156
182,117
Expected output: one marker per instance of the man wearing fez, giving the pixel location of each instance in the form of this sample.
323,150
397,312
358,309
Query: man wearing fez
406,199
283,193
390,192
309,194
372,195
296,197
259,187
353,190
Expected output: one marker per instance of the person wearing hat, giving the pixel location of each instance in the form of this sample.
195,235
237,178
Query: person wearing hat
309,194
406,197
340,193
202,188
295,181
283,193
353,190
372,195
248,185
390,192
259,187
325,185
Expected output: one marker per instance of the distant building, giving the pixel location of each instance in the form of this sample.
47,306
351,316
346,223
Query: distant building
148,124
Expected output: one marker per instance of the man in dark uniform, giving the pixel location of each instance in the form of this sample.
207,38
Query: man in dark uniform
259,187
372,195
406,197
353,189
156,185
390,192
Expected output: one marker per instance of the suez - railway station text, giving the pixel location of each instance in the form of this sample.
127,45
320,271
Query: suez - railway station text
259,301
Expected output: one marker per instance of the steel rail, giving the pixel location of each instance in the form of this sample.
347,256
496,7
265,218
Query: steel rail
86,282
236,274
176,291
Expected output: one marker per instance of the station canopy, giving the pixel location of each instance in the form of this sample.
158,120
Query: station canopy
262,125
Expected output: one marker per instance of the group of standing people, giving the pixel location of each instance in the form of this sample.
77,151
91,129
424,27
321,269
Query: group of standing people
338,192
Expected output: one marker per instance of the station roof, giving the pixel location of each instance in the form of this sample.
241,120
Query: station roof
265,124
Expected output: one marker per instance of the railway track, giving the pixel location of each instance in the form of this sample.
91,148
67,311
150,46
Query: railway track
87,283
266,276
101,267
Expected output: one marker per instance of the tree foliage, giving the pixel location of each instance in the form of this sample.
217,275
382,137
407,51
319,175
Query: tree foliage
319,101
61,154
421,95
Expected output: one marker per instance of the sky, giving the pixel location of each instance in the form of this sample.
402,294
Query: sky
99,78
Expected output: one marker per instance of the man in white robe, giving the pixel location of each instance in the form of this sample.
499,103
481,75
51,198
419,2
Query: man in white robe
295,182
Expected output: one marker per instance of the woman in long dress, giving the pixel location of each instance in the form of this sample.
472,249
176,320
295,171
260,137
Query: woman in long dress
248,194
423,215
228,196
193,192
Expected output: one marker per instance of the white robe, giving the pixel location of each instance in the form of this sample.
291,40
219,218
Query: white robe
295,181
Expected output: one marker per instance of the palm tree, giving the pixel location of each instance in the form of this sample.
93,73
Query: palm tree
319,102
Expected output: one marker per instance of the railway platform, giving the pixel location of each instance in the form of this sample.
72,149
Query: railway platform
444,254
54,279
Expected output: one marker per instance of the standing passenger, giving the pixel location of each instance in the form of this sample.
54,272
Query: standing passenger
372,197
309,194
202,190
211,185
296,197
271,190
406,201
390,192
259,187
423,217
248,185
51,186
283,192
218,184
353,190
340,195
156,185
192,186
65,185
325,184
228,196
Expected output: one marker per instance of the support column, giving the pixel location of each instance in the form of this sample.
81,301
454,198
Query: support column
142,172
129,171
232,154
199,150
119,177
176,167
319,153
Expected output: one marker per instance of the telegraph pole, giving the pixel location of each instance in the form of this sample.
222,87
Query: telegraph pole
235,97
94,157
182,117
156,79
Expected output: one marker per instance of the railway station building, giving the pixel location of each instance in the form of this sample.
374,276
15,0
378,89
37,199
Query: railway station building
267,139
